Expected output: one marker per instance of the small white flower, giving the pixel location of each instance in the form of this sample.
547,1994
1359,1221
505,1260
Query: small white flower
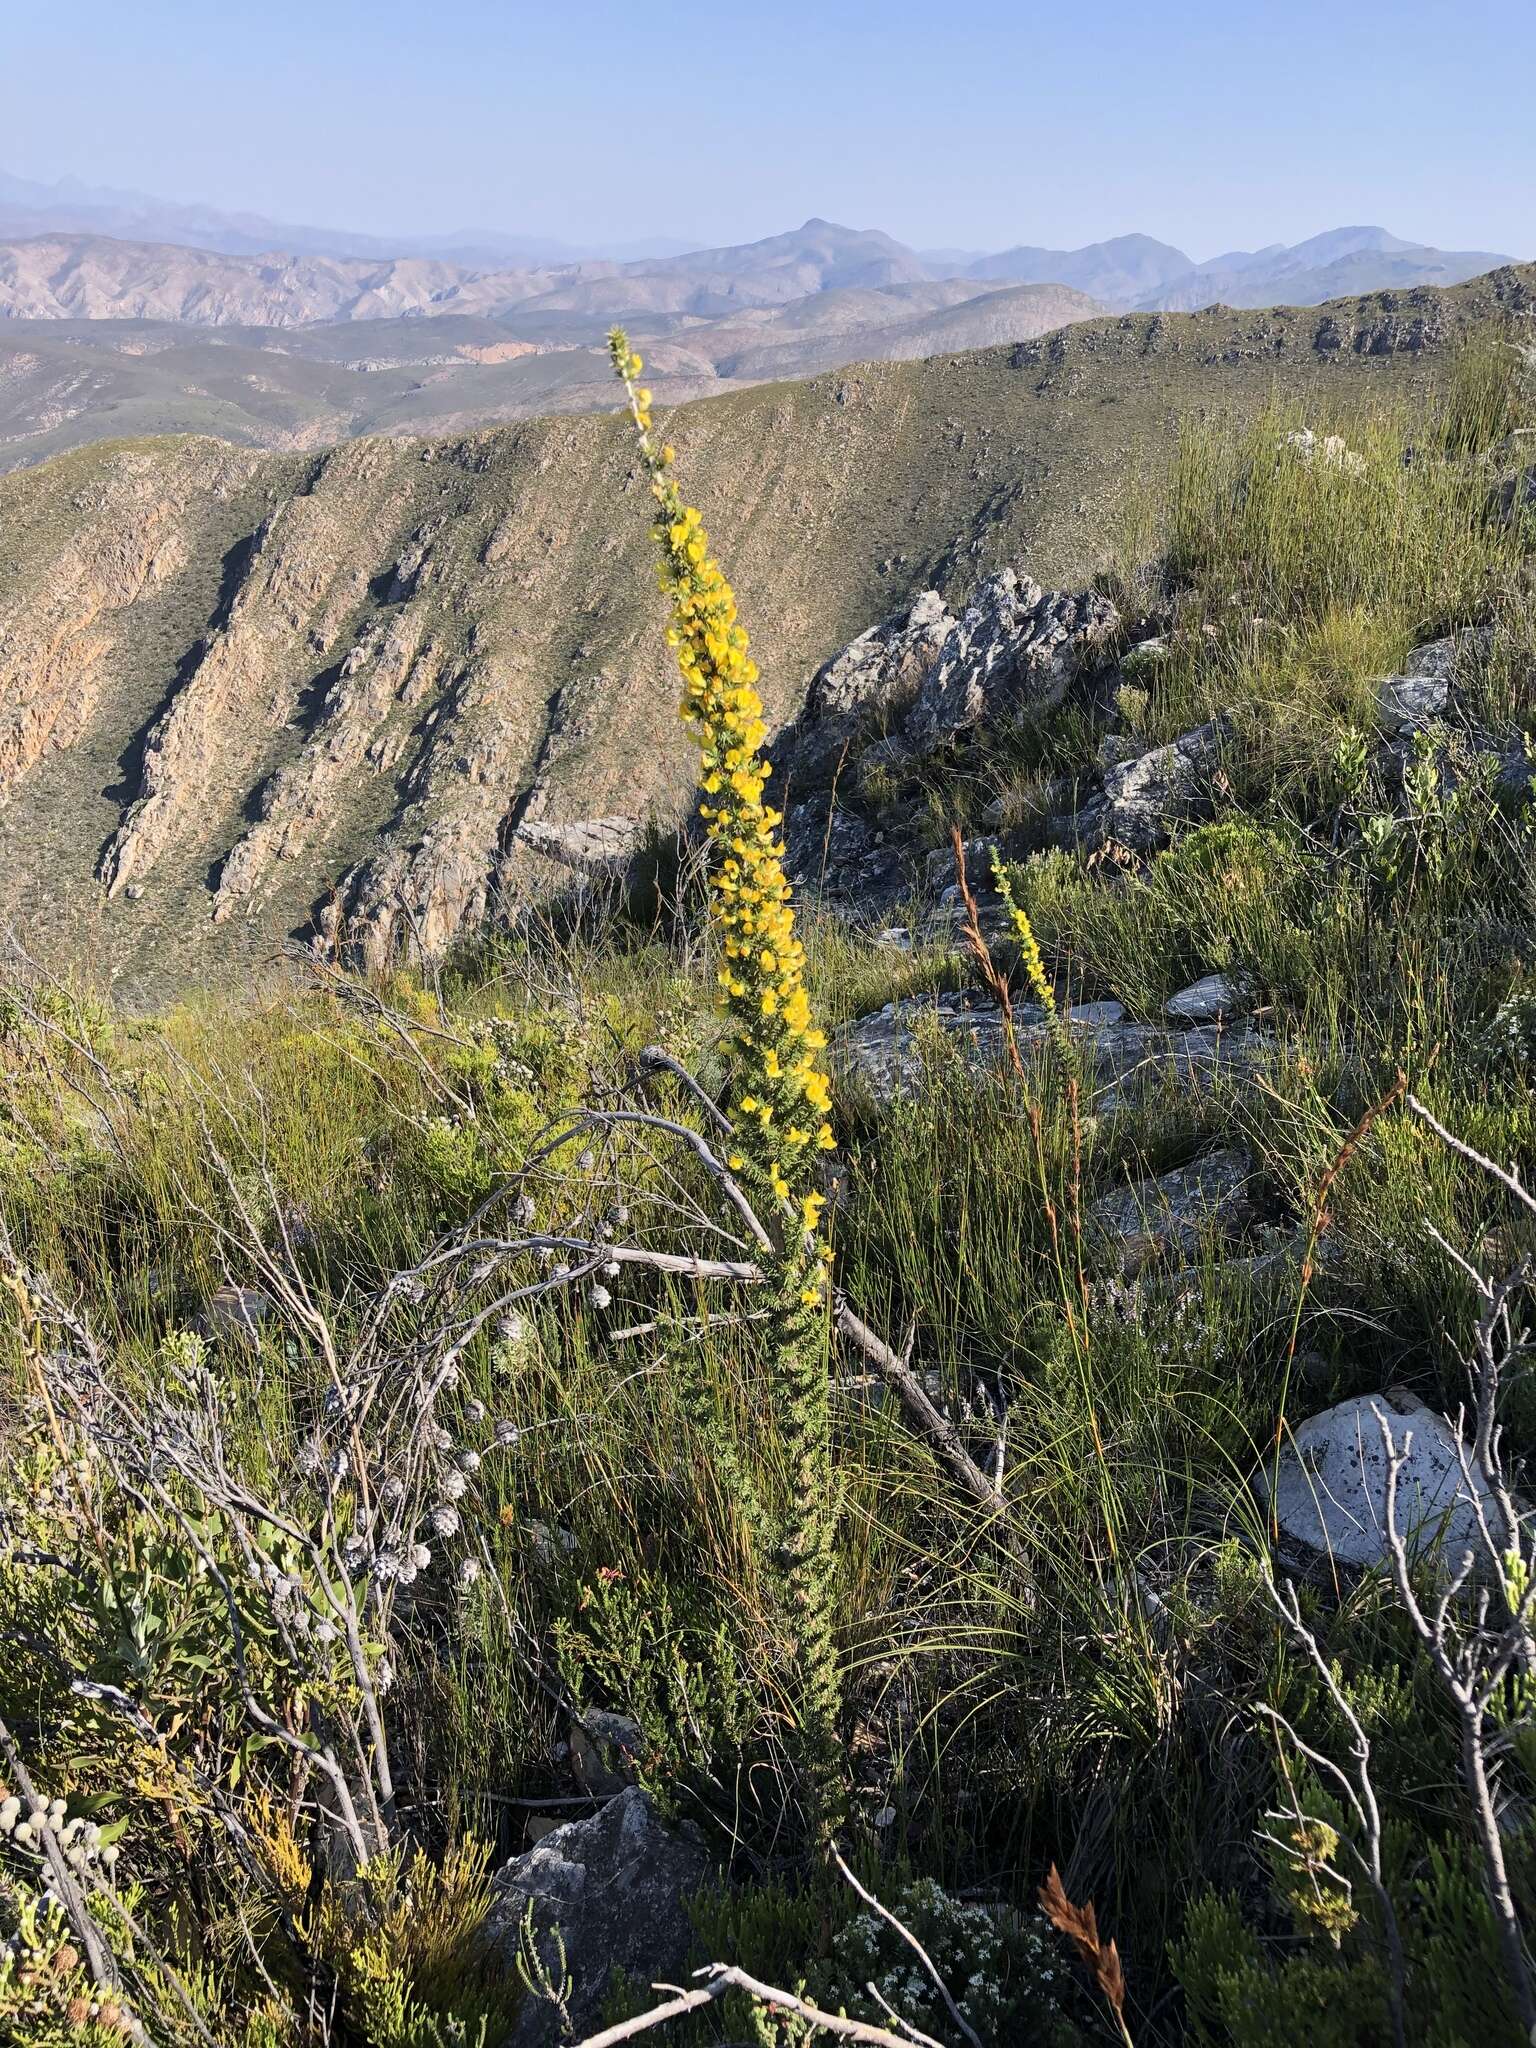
469,1570
421,1557
455,1485
444,1521
599,1296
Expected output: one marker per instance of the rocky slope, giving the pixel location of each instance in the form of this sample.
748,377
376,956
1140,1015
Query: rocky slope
374,690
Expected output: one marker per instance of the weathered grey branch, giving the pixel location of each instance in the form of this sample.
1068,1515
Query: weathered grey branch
723,1977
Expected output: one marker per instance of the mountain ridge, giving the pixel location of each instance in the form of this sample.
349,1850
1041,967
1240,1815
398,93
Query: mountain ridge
60,273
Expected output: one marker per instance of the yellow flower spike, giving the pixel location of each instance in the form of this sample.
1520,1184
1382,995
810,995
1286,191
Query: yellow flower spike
762,993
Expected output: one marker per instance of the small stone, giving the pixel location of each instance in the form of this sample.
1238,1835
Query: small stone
1101,1016
1204,1001
604,1747
234,1313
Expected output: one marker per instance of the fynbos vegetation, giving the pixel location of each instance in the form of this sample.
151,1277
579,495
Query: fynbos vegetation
545,1501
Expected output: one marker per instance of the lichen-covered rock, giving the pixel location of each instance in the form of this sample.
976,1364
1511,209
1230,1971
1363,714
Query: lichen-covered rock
1205,1001
1422,690
1330,1493
616,1887
887,1052
865,689
606,1750
588,846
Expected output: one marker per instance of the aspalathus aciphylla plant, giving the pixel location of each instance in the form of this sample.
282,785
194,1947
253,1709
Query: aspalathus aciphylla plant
778,1107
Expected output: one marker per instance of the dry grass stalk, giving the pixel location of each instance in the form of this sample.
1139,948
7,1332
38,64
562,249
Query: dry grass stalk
1081,1927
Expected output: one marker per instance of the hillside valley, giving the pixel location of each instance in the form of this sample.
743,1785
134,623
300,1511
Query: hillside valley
364,689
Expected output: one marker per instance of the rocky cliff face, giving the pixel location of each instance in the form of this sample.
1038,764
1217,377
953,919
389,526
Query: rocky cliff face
379,692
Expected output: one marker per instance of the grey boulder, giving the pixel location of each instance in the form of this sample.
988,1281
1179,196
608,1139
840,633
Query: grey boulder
1143,798
1205,1001
865,688
590,846
615,1887
887,1052
1173,1213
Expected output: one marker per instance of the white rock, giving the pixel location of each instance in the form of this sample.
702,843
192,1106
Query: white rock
1330,1502
1097,1016
1213,996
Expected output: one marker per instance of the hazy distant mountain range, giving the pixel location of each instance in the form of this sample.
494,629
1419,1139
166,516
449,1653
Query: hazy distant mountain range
121,314
28,207
243,268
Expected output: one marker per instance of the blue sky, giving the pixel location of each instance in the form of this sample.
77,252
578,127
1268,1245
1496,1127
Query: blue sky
977,124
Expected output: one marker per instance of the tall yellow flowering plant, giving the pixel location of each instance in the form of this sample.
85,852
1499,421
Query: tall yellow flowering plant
778,1108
